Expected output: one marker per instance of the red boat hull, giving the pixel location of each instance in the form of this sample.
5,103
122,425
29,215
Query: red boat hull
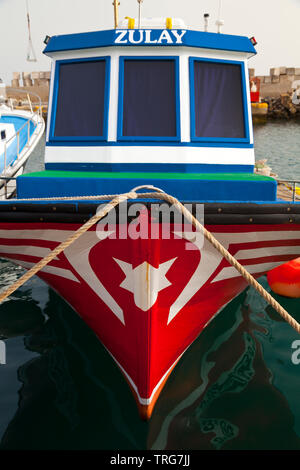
148,299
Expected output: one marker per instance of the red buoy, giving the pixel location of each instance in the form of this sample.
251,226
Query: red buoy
285,279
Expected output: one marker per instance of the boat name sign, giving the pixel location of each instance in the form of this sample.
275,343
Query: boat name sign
149,36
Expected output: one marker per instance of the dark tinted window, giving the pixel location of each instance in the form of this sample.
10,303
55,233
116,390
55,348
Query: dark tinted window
149,103
218,100
80,101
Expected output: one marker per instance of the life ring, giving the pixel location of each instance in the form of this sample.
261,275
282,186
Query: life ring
285,279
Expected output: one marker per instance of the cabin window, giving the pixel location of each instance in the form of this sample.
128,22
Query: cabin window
218,106
81,107
149,99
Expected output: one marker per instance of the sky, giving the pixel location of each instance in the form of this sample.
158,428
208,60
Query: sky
274,23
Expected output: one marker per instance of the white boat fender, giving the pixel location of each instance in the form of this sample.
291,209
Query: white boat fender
296,92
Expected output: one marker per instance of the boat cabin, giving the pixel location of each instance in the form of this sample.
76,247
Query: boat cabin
148,104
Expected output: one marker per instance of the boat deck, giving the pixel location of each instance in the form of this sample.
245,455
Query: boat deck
285,191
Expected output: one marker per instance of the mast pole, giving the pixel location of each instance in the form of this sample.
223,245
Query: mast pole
219,22
140,12
30,50
116,4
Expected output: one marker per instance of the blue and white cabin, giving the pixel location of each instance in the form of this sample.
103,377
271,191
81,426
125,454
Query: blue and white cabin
162,105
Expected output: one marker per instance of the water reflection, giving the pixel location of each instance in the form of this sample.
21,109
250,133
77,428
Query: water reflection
71,396
278,142
227,392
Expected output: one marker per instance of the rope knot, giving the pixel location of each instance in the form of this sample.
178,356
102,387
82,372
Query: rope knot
146,186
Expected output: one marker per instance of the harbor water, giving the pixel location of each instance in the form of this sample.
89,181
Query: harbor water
279,143
236,387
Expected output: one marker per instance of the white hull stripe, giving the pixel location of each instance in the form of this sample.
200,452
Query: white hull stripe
135,154
145,401
36,234
230,272
28,250
48,269
267,251
266,235
61,235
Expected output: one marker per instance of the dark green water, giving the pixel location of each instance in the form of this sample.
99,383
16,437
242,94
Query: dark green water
235,388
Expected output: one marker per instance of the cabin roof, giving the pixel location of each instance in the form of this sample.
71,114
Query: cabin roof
154,38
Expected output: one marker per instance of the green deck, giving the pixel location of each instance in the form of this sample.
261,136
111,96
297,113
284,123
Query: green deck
163,176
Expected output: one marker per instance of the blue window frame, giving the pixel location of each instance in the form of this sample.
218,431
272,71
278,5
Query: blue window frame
219,109
80,100
149,107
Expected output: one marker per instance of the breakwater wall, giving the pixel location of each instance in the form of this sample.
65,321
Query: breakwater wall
37,82
278,82
280,91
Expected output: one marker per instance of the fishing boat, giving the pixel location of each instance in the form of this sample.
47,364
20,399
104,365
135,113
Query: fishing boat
20,132
150,102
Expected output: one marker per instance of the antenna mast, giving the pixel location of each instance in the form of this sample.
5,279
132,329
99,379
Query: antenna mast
31,57
140,12
116,4
219,22
206,16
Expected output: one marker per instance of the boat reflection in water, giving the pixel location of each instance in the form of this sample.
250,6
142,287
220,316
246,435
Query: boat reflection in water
229,391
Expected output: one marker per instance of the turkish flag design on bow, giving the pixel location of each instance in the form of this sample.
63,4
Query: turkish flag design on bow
147,299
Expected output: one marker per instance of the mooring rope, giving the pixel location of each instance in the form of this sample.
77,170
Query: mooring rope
159,194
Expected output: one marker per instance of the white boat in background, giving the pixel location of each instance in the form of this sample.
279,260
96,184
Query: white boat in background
20,132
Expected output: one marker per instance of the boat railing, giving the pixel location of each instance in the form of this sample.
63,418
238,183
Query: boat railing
293,190
29,94
4,185
16,135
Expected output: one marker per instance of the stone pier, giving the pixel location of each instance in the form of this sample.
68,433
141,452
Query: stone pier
36,82
279,81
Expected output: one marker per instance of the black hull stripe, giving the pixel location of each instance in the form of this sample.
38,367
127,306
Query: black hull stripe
215,213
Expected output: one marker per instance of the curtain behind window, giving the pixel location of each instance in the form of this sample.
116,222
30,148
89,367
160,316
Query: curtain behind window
218,100
80,101
149,106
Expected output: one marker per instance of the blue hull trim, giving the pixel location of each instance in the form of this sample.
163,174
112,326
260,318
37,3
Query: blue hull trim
151,167
183,189
79,143
278,202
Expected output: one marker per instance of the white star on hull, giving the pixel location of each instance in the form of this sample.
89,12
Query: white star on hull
145,281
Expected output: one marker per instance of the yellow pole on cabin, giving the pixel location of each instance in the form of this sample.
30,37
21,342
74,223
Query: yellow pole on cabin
116,4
